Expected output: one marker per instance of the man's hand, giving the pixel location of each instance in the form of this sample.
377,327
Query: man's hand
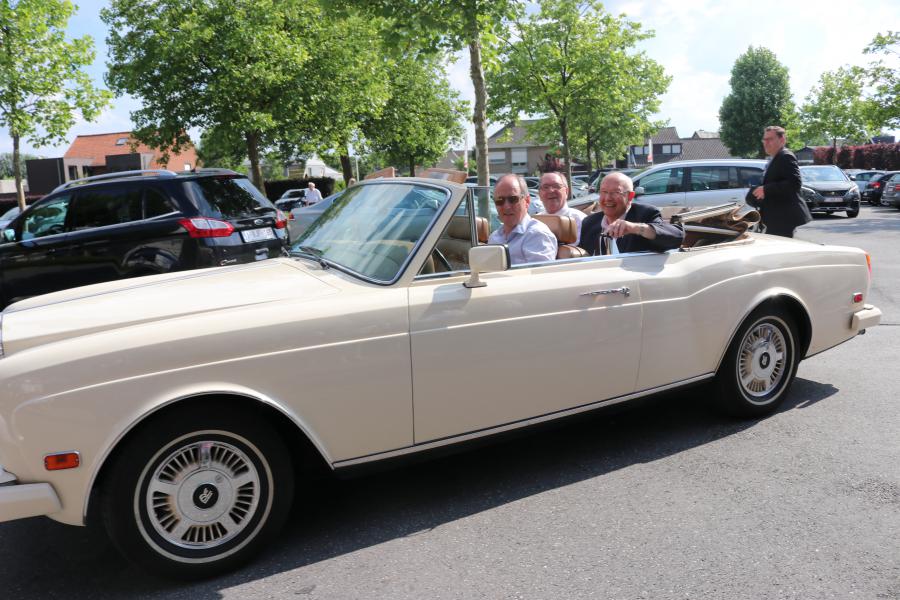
621,227
759,192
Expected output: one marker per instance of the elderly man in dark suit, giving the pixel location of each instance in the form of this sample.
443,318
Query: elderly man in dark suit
624,226
780,204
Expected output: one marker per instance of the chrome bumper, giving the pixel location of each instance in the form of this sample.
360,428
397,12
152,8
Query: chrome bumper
869,316
19,501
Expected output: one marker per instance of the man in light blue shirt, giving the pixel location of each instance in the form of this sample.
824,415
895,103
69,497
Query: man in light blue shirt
528,240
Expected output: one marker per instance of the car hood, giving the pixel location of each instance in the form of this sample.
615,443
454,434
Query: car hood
829,186
94,308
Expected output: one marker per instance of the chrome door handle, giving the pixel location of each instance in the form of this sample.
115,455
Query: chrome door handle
625,291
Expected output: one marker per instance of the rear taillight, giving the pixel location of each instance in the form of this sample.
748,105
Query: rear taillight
281,220
202,227
875,185
897,187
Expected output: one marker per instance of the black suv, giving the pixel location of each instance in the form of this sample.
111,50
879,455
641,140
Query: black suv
136,223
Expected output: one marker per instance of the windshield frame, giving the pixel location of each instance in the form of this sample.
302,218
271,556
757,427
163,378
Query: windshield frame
414,251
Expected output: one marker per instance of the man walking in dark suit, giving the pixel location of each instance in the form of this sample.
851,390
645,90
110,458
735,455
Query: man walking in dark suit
780,204
625,225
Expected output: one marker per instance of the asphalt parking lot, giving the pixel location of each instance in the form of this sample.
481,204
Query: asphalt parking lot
662,500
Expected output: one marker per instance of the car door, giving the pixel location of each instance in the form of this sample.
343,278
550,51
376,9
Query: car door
663,189
713,185
34,251
537,339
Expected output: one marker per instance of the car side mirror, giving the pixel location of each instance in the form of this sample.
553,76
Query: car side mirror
9,234
852,177
486,259
638,191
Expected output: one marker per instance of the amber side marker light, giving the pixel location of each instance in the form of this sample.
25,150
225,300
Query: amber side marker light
61,460
869,264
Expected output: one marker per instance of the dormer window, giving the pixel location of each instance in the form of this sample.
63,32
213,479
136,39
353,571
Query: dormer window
121,141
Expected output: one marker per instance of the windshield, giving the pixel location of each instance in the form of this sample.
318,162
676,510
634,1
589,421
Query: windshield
372,229
830,173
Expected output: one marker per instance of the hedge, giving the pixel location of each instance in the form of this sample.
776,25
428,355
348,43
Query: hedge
868,156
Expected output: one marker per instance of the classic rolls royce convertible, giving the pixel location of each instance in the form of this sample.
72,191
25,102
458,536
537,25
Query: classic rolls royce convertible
177,410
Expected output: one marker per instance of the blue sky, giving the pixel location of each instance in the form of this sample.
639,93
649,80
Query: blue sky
697,41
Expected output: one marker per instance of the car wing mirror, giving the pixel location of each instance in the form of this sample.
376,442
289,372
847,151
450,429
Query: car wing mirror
486,259
852,177
9,234
638,191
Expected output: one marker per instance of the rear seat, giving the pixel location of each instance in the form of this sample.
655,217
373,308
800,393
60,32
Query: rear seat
566,231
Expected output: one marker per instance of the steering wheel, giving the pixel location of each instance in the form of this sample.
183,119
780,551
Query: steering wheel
442,259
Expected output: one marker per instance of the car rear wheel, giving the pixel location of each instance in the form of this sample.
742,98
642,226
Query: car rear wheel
760,364
195,494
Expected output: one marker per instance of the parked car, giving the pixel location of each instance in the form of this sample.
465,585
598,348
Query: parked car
862,177
8,216
171,409
872,193
135,223
826,189
688,184
305,215
890,195
291,199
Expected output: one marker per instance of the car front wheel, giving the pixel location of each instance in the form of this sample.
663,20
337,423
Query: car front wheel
197,493
853,213
759,366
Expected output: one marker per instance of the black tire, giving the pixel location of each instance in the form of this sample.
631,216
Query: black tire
195,492
853,213
760,364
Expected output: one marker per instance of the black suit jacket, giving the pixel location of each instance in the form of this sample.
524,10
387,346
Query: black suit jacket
783,209
668,236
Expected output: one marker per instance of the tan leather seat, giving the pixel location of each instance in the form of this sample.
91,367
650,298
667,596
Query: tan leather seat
455,244
566,231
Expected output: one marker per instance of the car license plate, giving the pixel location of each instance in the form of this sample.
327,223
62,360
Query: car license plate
258,235
833,200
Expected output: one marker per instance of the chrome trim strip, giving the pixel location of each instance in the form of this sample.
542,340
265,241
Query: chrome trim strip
514,425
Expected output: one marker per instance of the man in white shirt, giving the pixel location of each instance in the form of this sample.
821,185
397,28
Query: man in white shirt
312,194
554,193
528,240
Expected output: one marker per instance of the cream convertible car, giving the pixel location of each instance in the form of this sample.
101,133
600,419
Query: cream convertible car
176,410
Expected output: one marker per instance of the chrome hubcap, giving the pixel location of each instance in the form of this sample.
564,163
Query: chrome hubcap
202,494
762,361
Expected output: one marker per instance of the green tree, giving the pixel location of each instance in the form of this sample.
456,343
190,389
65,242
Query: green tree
42,82
422,118
835,108
884,110
760,96
451,25
7,169
575,63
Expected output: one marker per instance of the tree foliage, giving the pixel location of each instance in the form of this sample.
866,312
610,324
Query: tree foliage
273,73
450,25
574,63
422,118
835,107
42,82
7,169
885,80
760,96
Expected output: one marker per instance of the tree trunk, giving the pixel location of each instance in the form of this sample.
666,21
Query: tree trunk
834,151
346,165
255,168
567,155
17,170
587,140
412,165
479,116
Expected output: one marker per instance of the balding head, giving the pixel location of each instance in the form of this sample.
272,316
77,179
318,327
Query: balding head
616,194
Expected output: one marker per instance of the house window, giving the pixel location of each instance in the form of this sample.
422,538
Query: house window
187,166
121,141
638,150
676,149
667,149
497,157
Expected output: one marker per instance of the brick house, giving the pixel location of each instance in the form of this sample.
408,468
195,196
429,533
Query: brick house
102,153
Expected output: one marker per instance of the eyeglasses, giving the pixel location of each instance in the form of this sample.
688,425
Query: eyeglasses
501,200
551,186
